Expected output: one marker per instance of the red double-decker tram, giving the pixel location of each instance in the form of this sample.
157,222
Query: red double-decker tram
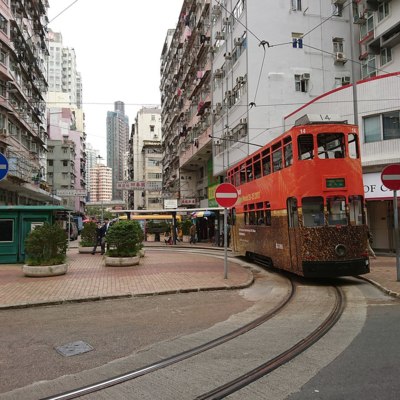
301,204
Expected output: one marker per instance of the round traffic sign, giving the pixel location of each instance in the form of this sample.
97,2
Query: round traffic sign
391,176
226,195
3,166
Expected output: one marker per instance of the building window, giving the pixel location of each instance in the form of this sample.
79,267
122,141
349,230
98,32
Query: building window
65,163
295,5
386,55
385,126
368,27
368,67
337,44
301,84
3,24
153,117
383,10
152,128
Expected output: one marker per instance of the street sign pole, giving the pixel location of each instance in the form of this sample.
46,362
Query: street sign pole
226,196
390,177
225,243
396,233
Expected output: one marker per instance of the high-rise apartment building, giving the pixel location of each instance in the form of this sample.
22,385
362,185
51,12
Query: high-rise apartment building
92,158
145,163
101,183
117,145
23,85
67,120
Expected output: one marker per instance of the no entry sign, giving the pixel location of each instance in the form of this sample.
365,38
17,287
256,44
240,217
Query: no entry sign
391,176
226,195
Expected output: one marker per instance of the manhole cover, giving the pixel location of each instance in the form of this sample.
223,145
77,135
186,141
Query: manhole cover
74,348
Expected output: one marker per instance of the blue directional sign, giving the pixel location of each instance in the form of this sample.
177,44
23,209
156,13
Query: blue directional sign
3,167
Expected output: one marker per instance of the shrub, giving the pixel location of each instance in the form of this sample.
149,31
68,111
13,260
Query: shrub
46,245
124,239
88,234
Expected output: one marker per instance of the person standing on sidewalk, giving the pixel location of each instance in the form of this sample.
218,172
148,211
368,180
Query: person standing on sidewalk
100,232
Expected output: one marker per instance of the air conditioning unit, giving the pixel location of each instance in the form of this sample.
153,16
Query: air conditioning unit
218,72
219,35
212,49
237,41
346,80
243,121
228,93
305,77
340,57
3,132
228,56
226,21
218,106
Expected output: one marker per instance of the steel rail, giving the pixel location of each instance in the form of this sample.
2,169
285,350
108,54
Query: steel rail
95,387
276,362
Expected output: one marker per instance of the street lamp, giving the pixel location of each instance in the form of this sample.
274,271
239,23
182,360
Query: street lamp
99,157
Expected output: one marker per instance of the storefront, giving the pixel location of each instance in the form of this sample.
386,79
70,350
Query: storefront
380,218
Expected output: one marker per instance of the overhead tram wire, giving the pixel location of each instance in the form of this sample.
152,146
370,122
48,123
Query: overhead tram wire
65,9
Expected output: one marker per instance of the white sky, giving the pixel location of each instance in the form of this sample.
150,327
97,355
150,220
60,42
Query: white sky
118,46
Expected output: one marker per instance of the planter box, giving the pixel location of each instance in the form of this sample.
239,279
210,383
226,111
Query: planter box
121,261
44,270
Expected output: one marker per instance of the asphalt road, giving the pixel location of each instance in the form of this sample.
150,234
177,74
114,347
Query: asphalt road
114,328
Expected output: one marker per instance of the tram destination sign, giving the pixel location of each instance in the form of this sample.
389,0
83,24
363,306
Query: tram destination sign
333,183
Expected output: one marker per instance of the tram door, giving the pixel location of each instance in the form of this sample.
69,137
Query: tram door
293,224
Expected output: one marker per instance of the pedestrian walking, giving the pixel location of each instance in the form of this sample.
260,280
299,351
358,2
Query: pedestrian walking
369,243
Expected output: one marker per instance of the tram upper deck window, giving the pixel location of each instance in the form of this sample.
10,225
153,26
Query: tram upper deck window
288,151
305,144
266,163
331,145
313,211
353,146
356,210
236,178
242,174
249,171
337,210
257,166
277,163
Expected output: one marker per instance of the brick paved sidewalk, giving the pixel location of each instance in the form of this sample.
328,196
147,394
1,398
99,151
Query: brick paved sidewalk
384,275
88,279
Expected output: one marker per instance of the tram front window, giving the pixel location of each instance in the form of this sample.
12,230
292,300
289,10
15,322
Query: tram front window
313,211
337,210
331,145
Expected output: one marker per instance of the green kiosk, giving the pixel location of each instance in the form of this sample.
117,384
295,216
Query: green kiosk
15,224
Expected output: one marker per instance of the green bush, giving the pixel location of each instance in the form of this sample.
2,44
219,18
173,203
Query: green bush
46,245
124,239
88,234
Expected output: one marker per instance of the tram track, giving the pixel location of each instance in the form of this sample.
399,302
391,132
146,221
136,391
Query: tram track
131,375
233,385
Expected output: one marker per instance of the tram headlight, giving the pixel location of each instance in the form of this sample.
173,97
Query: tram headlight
341,250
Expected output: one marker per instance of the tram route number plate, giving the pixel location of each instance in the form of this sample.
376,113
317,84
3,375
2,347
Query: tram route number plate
332,183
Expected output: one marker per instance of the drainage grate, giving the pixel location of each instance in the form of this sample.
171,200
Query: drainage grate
74,348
